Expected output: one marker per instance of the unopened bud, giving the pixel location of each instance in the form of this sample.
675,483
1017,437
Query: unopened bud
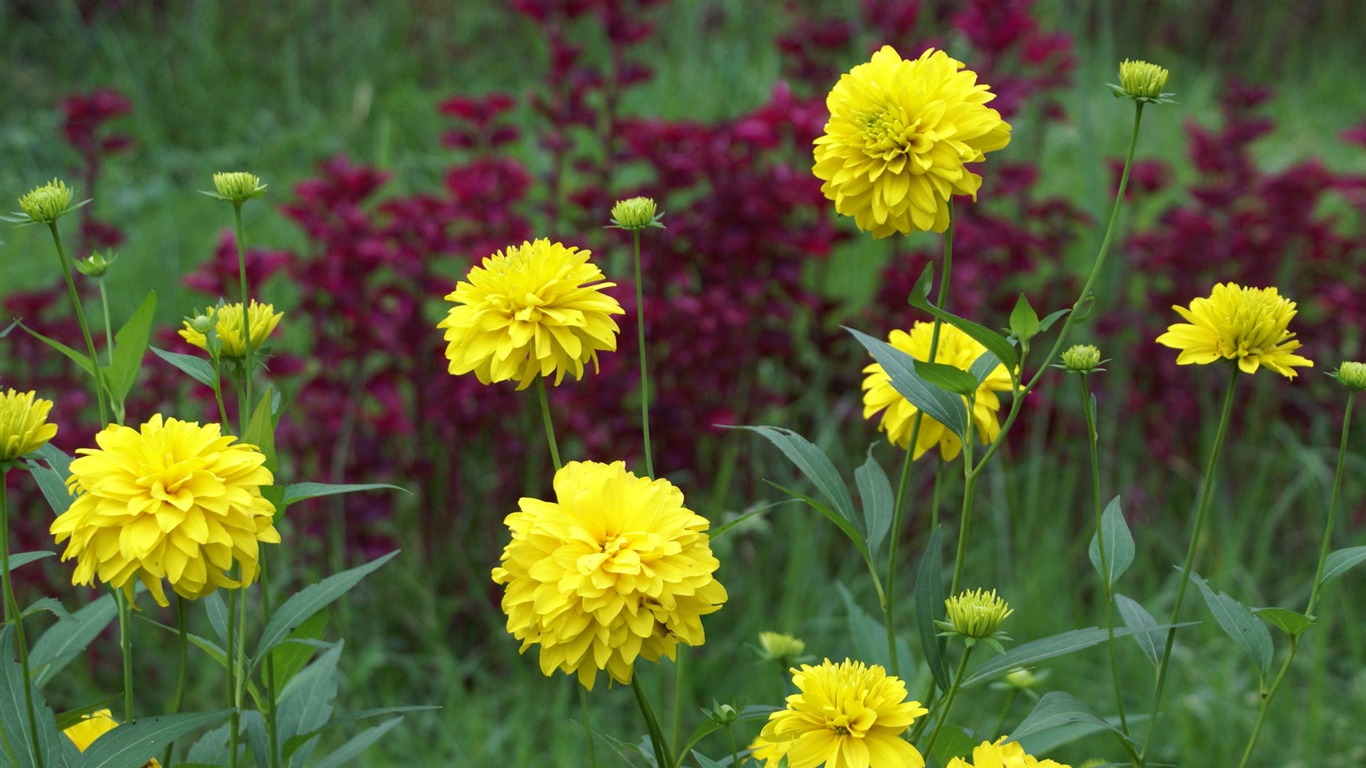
635,214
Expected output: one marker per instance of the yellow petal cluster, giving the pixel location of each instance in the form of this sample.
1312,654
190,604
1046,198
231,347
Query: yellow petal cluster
898,415
900,135
1002,755
23,424
1248,325
171,501
530,311
227,323
846,715
90,727
613,569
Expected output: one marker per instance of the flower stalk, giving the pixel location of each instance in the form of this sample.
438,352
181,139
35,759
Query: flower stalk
13,615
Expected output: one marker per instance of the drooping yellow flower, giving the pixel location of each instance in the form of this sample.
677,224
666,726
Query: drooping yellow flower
615,568
1247,325
899,137
227,322
1002,755
173,501
847,715
94,725
23,424
529,311
955,348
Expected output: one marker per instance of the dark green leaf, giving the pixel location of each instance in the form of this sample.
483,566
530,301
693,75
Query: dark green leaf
217,612
726,527
868,635
311,599
1238,623
929,602
24,558
195,367
52,484
982,368
77,357
133,744
1136,617
705,762
875,491
1119,544
948,377
306,705
14,722
66,640
261,429
902,370
1046,648
993,341
357,744
1290,622
130,344
1054,710
1051,318
50,605
290,657
813,464
845,525
1342,561
1024,321
300,491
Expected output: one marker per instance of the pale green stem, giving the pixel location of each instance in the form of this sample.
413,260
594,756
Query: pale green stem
230,658
549,426
125,606
108,325
969,489
587,726
948,699
1316,591
245,406
101,391
661,749
1206,494
644,368
12,614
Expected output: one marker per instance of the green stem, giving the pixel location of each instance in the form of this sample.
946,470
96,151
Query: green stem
101,391
182,666
1206,494
246,405
229,658
545,419
948,699
969,490
644,369
12,614
272,694
661,748
587,726
677,732
1317,590
108,325
125,607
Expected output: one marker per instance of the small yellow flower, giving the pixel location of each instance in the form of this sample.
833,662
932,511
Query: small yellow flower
1002,754
614,569
1247,325
23,424
171,501
900,135
1352,376
44,204
92,726
237,187
1082,358
227,322
898,418
1142,82
530,311
635,213
976,614
776,646
846,715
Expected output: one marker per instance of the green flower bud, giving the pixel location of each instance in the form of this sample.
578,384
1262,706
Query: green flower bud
237,187
96,265
776,646
1142,82
201,324
637,213
44,204
1082,358
1351,375
976,615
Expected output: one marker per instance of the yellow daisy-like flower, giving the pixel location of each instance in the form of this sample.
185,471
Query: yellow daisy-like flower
847,715
1249,325
227,322
955,348
615,568
529,311
174,501
1002,755
899,137
765,753
94,725
23,424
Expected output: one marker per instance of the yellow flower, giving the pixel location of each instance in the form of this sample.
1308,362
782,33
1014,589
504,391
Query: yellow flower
174,501
1002,755
846,715
228,324
764,753
955,348
1249,325
899,137
23,424
531,310
616,567
92,726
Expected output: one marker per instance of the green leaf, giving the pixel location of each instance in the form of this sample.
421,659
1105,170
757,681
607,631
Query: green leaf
929,601
57,459
948,377
1060,644
1056,709
133,744
845,525
993,341
1024,321
49,604
300,491
1136,617
66,640
868,635
748,713
52,483
261,429
985,364
720,530
311,599
24,558
1238,623
14,723
953,741
130,344
875,491
1119,544
1051,318
705,762
305,706
1290,622
291,657
357,744
217,611
77,357
1342,561
196,368
813,463
902,369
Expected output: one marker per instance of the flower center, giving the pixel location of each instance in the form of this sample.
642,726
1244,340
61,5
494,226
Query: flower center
889,133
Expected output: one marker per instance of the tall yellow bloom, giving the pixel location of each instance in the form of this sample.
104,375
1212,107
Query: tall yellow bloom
1248,325
900,135
955,348
847,715
90,727
614,569
1002,755
529,311
23,424
173,501
227,323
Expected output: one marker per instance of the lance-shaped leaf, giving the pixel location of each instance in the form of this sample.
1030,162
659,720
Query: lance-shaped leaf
997,344
310,600
133,744
929,601
14,723
1056,709
1342,561
24,558
194,367
1136,617
1119,544
1238,623
1292,623
301,491
130,344
813,464
942,406
66,640
1060,644
875,490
